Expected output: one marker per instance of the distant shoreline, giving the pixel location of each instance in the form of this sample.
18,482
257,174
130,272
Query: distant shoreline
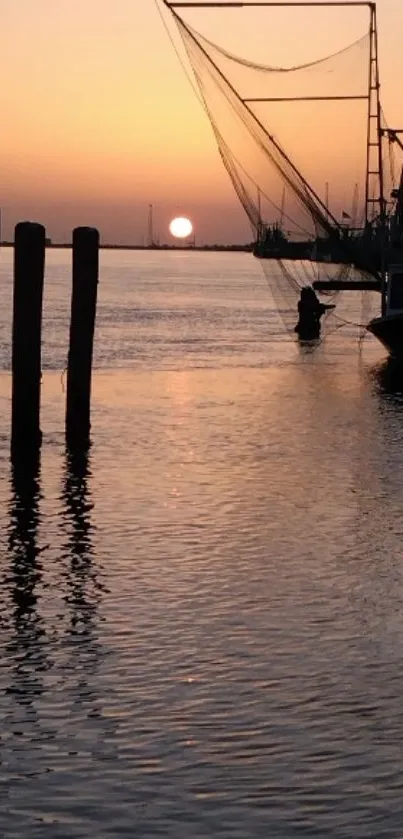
212,248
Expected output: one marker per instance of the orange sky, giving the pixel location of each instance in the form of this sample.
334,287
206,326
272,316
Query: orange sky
99,120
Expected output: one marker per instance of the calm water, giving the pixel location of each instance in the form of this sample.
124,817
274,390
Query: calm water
202,622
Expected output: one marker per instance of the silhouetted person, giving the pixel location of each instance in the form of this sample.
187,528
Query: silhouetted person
310,311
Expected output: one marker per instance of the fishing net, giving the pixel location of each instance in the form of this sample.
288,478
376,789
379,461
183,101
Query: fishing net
293,139
285,132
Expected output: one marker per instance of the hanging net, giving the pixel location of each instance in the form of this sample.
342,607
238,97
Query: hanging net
280,135
293,141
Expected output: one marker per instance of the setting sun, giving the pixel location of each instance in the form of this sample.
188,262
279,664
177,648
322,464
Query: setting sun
181,227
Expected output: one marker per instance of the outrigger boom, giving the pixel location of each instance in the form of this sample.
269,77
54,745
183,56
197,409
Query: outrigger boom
240,5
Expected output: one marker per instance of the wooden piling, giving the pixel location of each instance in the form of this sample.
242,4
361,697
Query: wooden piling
82,324
29,268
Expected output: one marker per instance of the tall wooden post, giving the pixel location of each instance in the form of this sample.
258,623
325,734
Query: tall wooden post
29,269
83,310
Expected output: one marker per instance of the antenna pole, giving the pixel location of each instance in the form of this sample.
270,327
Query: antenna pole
150,226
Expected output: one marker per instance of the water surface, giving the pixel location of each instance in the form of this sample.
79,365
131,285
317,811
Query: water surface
201,621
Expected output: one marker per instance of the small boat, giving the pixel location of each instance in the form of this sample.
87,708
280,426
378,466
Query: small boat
388,327
273,243
386,277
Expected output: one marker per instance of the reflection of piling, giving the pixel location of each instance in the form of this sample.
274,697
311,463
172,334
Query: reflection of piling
78,505
84,590
83,308
29,267
24,578
24,518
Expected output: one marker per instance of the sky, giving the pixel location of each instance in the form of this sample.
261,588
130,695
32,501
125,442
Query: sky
99,119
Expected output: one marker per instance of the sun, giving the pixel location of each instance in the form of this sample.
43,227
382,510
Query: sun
181,227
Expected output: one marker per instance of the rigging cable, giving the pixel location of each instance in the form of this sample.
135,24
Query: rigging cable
267,68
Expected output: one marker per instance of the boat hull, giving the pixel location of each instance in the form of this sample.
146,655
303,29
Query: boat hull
389,331
363,259
284,250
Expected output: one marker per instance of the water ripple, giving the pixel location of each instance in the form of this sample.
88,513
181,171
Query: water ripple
201,616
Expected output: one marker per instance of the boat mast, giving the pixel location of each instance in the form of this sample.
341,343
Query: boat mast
259,210
374,186
282,208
